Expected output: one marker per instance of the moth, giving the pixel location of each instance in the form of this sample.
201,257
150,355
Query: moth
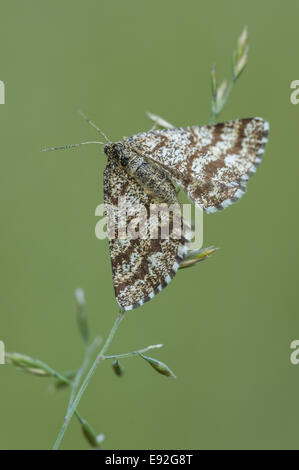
210,163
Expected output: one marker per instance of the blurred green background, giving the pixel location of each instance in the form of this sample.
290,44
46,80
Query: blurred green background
227,324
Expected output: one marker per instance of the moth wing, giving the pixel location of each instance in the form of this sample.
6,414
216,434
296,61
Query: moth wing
141,267
211,163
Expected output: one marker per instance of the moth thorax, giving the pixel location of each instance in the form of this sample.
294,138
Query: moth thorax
152,178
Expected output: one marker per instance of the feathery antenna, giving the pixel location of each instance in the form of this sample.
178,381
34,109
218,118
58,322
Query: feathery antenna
93,125
70,146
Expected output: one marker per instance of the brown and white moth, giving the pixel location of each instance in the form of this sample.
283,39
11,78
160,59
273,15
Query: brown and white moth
210,163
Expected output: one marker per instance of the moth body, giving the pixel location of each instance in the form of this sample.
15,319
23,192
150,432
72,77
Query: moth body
151,176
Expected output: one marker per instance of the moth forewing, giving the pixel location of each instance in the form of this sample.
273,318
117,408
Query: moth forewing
141,266
210,163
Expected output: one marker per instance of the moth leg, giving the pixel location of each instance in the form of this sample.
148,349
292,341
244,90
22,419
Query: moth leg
159,122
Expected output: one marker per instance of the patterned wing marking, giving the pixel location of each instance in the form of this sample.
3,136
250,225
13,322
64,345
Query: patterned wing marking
141,267
211,163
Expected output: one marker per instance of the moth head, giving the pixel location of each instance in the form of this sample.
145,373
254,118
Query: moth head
118,152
